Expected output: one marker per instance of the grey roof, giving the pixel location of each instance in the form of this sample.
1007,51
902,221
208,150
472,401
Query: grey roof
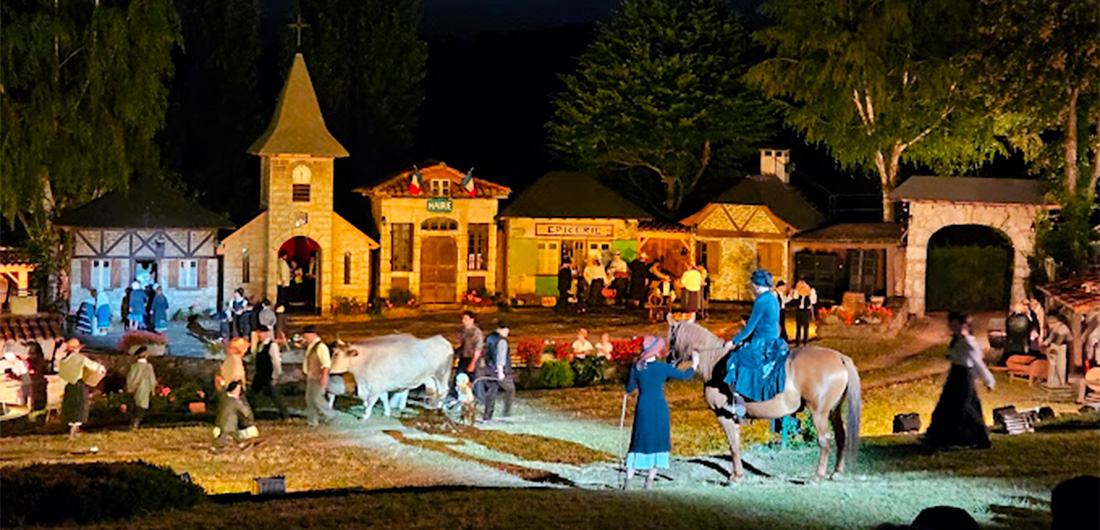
889,233
145,204
969,189
781,198
297,126
571,195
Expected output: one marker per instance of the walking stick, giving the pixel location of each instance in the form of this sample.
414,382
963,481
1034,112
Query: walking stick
622,450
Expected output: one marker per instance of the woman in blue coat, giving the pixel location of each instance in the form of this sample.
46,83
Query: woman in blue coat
160,311
650,438
757,368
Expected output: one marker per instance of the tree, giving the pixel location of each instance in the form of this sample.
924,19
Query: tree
879,83
660,90
83,93
367,63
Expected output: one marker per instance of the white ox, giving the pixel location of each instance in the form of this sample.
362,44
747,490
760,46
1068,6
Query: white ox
391,364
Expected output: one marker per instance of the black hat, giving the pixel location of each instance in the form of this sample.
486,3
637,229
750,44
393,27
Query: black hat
502,325
309,328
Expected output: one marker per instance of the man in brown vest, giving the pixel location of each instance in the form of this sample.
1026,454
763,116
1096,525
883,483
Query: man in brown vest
316,366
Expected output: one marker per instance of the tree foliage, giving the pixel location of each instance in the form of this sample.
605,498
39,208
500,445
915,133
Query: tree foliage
879,83
367,63
660,90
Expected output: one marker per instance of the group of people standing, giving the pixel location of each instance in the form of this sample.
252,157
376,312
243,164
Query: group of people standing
143,307
593,284
485,362
297,282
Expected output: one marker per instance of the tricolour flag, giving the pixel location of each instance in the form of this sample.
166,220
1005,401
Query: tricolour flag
468,183
416,183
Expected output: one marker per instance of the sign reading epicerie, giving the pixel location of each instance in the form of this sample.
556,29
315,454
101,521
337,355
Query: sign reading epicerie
573,230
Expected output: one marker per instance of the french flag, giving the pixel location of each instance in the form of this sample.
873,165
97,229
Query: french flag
416,183
468,183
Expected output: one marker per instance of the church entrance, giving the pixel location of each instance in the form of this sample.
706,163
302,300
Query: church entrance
303,255
438,270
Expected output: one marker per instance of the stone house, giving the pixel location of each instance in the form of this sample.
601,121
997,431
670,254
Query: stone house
297,154
563,215
440,240
851,257
148,233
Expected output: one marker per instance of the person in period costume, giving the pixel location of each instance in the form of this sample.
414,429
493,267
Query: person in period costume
957,419
138,303
565,284
1038,325
1017,333
160,311
124,310
316,366
102,313
605,347
498,360
783,292
141,382
150,294
280,323
1055,347
268,369
582,347
232,368
464,390
38,367
619,272
283,278
639,279
234,423
596,277
85,315
236,310
650,436
692,282
74,404
805,298
756,368
706,291
471,349
16,368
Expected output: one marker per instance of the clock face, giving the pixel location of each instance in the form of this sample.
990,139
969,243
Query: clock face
301,174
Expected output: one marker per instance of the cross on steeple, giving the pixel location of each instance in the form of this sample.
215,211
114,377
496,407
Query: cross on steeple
299,26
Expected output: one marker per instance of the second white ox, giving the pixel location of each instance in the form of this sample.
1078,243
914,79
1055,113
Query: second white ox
391,364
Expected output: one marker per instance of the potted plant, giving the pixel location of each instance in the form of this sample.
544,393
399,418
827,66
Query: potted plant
156,343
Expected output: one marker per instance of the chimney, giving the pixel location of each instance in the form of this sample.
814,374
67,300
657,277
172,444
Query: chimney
774,162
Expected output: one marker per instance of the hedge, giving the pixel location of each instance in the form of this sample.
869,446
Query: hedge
88,493
968,278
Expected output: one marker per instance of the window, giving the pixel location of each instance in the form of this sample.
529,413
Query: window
402,238
301,193
439,223
548,258
189,273
477,252
701,253
441,188
101,274
246,268
347,268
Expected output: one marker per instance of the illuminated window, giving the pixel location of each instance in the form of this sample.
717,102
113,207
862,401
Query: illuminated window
439,223
246,268
548,258
347,268
477,258
402,258
101,274
441,187
300,193
189,273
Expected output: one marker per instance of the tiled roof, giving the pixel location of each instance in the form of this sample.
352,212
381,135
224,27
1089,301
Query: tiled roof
781,198
14,256
570,195
1081,294
969,189
398,185
297,126
889,233
31,327
663,226
146,204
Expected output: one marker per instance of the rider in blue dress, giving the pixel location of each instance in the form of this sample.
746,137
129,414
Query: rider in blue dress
757,367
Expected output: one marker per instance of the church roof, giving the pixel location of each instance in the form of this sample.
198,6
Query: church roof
781,198
147,203
398,185
297,126
969,189
571,195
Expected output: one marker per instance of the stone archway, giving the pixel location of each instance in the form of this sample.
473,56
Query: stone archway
926,217
304,256
969,268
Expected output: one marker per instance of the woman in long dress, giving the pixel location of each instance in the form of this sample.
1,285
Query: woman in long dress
102,313
138,304
757,368
85,315
160,311
650,438
958,420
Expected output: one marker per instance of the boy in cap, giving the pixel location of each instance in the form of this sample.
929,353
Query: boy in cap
498,359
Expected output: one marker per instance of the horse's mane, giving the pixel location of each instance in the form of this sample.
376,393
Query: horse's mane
690,336
691,333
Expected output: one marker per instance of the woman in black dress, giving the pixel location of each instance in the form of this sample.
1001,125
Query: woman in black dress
958,420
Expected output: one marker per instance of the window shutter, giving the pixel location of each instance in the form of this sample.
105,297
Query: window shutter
202,273
714,258
86,273
116,273
173,273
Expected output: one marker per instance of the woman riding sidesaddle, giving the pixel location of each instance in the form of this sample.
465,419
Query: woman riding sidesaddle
756,367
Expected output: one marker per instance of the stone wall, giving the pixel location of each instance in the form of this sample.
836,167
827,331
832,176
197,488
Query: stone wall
1014,221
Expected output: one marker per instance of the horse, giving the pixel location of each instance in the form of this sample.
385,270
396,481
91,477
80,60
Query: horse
817,378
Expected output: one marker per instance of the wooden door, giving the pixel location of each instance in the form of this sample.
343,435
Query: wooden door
438,270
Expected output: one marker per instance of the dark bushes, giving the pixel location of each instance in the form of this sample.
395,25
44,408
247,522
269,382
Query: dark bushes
87,493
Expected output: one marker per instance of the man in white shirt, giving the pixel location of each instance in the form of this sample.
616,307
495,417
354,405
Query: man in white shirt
619,272
316,366
805,298
692,281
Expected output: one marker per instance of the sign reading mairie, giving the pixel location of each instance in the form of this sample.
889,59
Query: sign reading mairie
440,205
569,230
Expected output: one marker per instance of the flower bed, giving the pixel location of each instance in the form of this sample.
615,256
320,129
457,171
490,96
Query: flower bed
132,340
841,322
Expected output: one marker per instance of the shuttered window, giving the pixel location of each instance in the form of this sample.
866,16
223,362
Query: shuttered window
402,246
188,273
477,250
101,274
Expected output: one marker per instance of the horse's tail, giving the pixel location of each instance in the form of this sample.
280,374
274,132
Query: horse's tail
855,411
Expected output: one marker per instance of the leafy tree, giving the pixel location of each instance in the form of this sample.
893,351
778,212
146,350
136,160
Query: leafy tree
367,63
84,91
879,83
660,90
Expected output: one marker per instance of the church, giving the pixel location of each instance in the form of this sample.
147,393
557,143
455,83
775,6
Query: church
328,256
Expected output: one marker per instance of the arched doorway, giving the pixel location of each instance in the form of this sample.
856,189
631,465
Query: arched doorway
969,269
304,257
438,270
